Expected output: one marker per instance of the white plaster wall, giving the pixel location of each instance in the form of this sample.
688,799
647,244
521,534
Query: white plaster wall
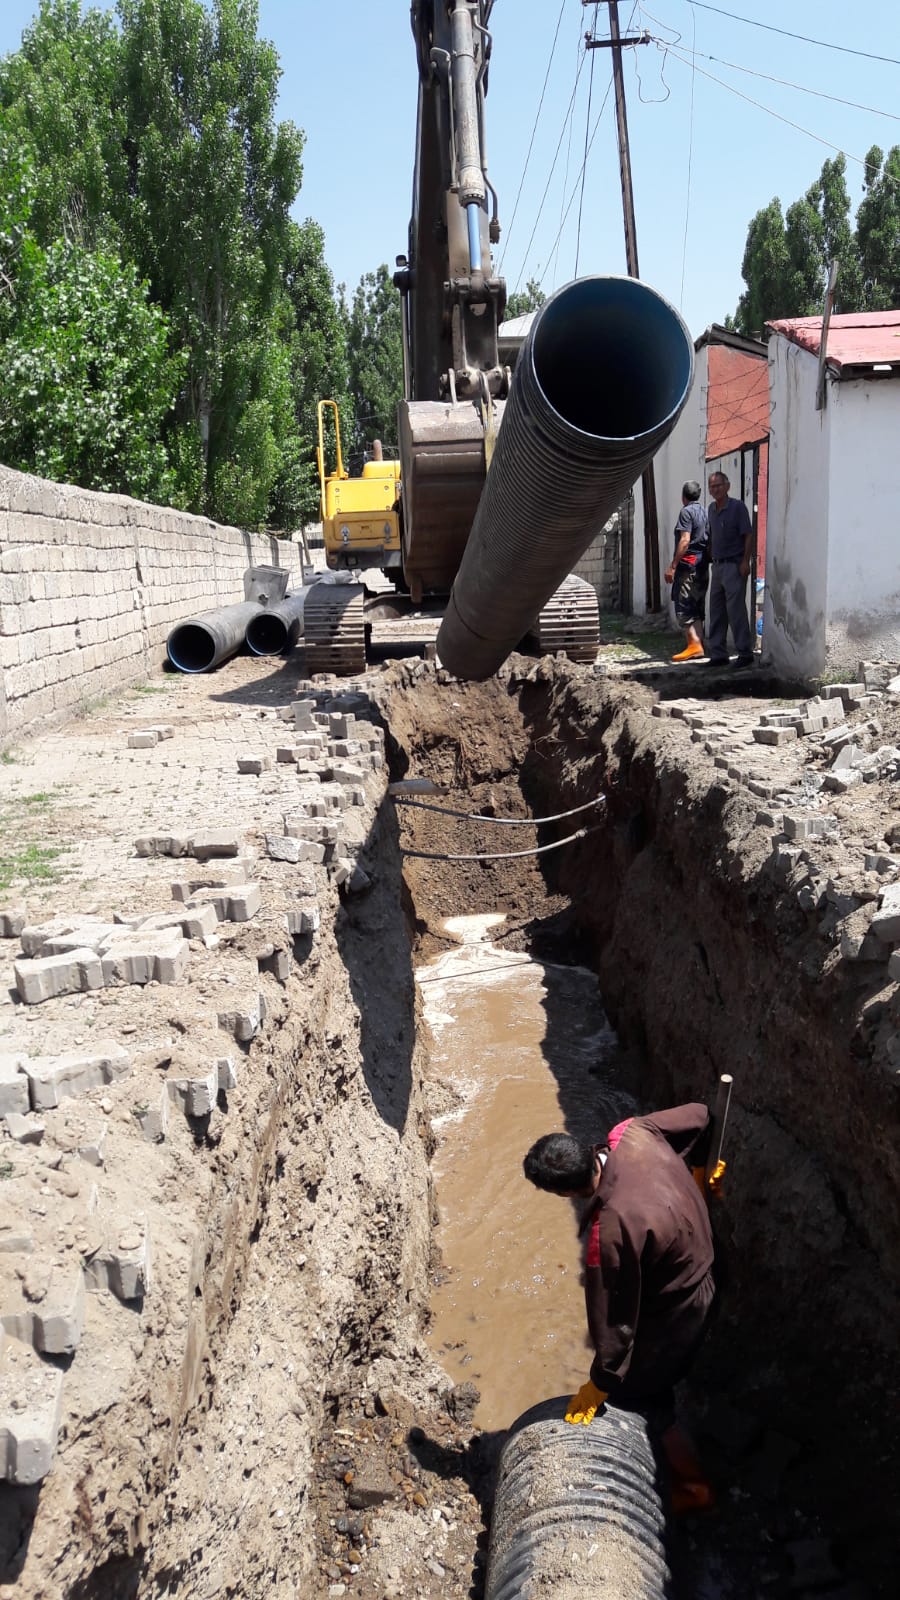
863,614
794,630
681,457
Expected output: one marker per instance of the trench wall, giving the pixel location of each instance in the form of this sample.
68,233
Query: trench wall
91,584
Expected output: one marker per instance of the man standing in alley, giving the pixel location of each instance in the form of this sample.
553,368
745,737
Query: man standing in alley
731,550
688,571
648,1265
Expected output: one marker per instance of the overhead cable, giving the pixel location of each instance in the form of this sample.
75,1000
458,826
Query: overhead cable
801,88
587,129
797,126
687,198
533,131
824,44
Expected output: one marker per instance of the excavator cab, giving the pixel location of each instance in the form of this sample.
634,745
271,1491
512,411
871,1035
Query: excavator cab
360,519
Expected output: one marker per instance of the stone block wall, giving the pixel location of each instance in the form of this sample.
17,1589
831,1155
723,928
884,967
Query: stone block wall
601,563
90,586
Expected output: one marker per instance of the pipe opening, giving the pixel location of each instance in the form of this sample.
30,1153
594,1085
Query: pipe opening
612,357
267,635
191,648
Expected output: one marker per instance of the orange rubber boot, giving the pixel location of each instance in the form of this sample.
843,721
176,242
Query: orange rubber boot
690,653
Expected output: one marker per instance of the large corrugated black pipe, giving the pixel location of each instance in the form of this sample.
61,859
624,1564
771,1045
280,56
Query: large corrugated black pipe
600,383
577,1510
277,628
204,642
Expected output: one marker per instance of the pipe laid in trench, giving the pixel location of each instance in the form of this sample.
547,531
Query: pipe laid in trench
599,384
577,1510
206,641
277,628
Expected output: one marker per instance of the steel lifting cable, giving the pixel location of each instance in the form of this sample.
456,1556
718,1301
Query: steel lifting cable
501,855
509,822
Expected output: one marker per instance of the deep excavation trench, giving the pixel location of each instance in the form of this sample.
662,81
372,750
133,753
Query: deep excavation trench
343,1446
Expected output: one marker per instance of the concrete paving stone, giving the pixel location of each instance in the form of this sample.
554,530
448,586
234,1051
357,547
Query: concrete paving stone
884,865
145,955
82,938
304,920
862,701
215,842
55,1078
770,819
302,713
163,730
762,791
840,782
25,1130
286,754
842,691
196,1096
46,1308
143,739
33,936
858,943
163,844
254,765
123,1263
886,921
284,847
345,774
837,737
196,924
222,876
816,827
12,923
345,748
152,1115
233,902
774,735
661,709
847,755
778,719
276,961
30,1408
809,897
49,976
808,725
357,797
876,674
14,1097
242,1023
840,899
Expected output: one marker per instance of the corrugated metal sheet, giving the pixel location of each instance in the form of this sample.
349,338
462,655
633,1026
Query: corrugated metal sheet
855,339
737,401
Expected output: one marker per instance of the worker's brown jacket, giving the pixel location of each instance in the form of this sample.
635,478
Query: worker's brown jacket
649,1255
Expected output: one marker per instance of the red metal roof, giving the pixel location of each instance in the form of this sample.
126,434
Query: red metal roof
855,338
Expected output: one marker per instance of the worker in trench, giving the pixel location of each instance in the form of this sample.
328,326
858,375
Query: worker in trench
648,1274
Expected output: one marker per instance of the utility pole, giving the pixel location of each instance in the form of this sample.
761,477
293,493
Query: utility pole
617,44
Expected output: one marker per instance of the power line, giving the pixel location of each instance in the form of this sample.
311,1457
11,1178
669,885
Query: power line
581,60
798,127
587,129
687,198
801,88
824,44
534,130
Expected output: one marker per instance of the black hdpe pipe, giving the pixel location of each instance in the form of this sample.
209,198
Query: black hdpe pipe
277,628
204,642
577,1510
599,384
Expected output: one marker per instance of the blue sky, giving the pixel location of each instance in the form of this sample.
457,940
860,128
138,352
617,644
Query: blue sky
349,80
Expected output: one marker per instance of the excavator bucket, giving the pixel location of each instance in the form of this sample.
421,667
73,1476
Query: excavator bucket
442,450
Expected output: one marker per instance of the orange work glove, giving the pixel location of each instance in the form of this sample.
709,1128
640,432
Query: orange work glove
584,1405
714,1183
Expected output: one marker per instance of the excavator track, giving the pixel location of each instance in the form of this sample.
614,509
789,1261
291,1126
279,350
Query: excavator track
334,629
570,621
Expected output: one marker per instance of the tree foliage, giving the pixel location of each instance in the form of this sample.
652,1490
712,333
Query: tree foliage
375,359
155,152
531,298
788,254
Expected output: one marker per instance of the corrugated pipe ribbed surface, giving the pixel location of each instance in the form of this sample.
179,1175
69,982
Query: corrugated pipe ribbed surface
599,385
577,1511
203,642
277,628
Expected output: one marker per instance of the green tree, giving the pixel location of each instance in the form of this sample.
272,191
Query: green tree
87,378
210,183
318,350
531,298
375,359
878,231
59,95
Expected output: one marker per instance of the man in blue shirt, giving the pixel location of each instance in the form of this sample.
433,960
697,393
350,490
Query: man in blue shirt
688,571
731,549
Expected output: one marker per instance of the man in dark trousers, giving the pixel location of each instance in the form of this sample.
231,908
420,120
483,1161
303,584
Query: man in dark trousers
688,571
731,552
648,1262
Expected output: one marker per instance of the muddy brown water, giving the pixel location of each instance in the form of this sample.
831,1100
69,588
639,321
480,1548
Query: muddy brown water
521,1048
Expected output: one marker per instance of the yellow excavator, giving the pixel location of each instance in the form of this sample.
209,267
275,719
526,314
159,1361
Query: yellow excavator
413,518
